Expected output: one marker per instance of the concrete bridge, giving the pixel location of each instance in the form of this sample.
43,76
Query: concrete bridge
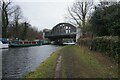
61,32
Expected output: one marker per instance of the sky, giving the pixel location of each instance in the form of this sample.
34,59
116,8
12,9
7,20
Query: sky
44,13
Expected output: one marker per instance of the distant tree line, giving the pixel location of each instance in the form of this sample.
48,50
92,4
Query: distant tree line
14,25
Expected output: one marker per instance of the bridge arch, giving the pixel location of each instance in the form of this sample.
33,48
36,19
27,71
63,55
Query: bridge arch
61,31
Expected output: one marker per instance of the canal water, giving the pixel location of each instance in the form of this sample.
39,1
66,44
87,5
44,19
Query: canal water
18,61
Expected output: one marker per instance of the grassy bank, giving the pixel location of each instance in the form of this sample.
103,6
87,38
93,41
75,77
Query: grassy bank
77,62
46,68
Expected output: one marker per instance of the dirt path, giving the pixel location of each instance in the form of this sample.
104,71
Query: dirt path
58,67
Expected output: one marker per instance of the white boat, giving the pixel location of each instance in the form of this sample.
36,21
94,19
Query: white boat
69,43
4,44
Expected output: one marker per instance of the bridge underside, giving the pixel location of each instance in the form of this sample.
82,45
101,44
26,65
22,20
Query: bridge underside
56,37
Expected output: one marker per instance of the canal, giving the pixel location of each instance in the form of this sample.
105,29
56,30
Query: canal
18,61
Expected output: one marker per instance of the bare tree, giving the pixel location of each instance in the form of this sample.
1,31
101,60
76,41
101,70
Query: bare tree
5,20
17,15
0,20
79,12
25,30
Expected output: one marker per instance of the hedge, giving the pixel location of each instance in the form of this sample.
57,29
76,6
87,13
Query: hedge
109,45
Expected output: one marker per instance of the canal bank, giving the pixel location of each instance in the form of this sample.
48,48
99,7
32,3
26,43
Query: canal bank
46,68
76,62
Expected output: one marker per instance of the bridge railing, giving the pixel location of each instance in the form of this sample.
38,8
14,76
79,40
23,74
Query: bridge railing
60,34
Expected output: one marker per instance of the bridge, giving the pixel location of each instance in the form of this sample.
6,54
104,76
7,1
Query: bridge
61,32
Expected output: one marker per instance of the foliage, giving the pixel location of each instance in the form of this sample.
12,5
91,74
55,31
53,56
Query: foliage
24,31
106,20
104,23
30,34
107,44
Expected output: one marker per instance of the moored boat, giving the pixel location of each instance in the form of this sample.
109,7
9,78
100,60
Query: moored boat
69,43
25,43
4,43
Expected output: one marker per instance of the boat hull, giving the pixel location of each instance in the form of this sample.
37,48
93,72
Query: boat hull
68,43
24,45
4,46
4,43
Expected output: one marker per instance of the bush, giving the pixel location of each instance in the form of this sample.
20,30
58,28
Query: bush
108,45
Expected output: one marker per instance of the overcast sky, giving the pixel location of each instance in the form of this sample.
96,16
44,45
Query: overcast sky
44,13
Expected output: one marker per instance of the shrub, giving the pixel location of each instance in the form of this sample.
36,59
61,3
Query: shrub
109,45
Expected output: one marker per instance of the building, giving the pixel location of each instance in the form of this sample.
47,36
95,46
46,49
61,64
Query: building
78,33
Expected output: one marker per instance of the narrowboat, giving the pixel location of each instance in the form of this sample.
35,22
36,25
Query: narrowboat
25,43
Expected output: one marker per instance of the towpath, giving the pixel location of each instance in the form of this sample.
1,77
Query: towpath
80,62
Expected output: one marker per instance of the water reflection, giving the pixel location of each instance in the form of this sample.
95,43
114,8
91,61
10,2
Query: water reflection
18,61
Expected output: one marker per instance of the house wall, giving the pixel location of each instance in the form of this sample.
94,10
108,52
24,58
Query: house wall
78,33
